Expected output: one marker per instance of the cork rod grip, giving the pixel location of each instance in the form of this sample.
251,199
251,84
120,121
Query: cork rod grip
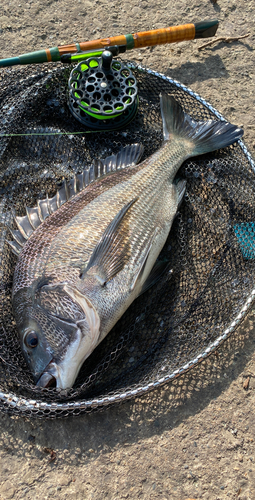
164,35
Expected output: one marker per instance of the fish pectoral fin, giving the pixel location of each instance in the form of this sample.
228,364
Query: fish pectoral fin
113,250
159,268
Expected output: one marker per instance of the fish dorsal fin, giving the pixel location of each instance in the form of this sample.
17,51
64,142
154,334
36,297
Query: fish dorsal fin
128,156
112,251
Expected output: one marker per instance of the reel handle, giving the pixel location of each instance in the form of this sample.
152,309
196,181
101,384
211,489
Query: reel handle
106,60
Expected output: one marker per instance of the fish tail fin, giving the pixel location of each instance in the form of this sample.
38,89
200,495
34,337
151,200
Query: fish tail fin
205,136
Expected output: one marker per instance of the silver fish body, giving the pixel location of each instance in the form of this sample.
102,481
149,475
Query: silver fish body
81,268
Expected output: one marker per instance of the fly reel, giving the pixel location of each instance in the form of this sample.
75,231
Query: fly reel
103,93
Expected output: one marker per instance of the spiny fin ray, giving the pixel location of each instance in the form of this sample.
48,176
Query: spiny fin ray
24,226
130,155
33,217
17,236
16,248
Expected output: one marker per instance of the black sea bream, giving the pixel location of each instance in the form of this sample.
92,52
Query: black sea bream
87,253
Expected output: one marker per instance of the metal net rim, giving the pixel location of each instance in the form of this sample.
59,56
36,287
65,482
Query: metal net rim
21,405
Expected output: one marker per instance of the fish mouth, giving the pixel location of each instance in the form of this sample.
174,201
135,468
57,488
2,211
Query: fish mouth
48,379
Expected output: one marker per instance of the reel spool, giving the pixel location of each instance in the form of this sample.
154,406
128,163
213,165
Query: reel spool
103,93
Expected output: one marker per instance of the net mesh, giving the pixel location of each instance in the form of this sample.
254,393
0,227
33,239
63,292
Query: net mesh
211,247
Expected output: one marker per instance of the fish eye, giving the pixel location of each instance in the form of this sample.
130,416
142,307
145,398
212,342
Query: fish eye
31,339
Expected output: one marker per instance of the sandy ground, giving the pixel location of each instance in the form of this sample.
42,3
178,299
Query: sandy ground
193,439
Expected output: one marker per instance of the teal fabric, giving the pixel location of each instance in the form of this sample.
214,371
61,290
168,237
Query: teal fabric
245,233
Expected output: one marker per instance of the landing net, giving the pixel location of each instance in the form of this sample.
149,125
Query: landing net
211,247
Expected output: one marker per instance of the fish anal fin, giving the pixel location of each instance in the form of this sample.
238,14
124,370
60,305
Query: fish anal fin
112,251
159,268
180,188
143,261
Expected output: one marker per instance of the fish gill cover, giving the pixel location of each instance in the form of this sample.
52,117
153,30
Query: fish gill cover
210,247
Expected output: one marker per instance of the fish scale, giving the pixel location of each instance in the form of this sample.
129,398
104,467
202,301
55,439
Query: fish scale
90,223
30,266
97,249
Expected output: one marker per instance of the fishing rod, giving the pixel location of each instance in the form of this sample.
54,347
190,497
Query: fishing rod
203,29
